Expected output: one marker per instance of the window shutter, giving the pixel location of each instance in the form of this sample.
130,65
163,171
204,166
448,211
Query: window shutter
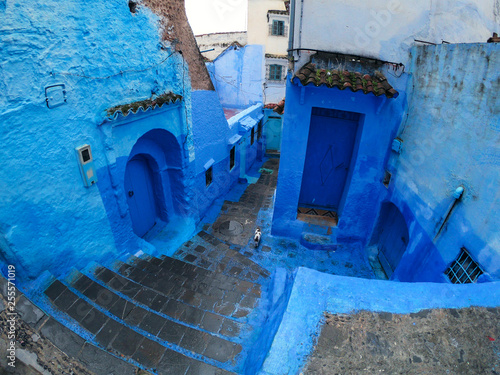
286,31
271,28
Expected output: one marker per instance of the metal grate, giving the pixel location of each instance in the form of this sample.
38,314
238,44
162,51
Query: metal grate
464,270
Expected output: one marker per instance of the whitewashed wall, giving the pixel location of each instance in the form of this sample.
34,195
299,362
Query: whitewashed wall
386,29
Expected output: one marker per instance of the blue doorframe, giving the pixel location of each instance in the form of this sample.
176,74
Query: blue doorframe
330,146
140,195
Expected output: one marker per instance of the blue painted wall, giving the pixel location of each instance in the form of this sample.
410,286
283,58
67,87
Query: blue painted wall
237,75
380,118
48,219
451,137
213,140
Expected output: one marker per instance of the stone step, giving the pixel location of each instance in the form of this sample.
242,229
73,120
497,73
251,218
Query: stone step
195,278
207,251
217,293
139,345
180,312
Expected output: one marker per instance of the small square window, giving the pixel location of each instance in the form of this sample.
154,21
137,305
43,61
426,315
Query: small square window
232,154
278,28
209,173
464,270
252,136
85,155
275,72
259,130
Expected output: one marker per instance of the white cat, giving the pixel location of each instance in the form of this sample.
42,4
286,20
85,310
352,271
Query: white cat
256,237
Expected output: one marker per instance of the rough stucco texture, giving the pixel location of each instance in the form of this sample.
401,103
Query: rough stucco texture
48,219
451,138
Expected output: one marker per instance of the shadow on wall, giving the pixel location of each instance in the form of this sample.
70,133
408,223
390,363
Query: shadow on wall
390,236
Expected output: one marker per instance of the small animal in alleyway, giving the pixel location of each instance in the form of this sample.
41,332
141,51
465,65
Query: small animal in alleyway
256,237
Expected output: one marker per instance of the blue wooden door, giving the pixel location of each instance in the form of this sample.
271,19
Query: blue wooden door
273,134
140,195
332,135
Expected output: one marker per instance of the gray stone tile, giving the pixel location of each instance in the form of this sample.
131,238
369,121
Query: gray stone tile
28,311
136,315
220,350
102,363
121,308
65,300
93,321
92,291
62,337
172,332
148,353
192,315
55,289
105,275
127,341
152,323
230,328
195,341
130,289
79,309
173,363
159,302
108,332
145,296
211,322
225,308
82,283
200,368
173,309
248,302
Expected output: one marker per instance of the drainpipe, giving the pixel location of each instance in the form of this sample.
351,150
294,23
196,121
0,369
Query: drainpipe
292,28
457,194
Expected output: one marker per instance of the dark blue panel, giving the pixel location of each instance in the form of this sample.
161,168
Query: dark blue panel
393,237
140,195
332,135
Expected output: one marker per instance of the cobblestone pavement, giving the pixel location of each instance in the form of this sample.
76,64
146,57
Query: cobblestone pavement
430,342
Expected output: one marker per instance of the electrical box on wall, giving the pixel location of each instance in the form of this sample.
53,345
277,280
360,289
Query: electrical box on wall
397,145
86,165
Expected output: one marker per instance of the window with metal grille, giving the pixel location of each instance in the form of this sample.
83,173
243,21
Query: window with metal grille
275,72
252,136
259,130
278,28
464,270
231,157
209,174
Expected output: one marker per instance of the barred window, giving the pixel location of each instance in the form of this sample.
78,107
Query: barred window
463,270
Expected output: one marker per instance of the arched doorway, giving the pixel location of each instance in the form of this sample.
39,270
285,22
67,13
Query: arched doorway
153,180
391,237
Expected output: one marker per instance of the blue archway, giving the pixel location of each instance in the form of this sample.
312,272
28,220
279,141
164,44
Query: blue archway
153,179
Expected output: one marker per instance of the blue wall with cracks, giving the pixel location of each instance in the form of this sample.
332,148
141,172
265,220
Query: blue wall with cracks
49,220
315,293
451,138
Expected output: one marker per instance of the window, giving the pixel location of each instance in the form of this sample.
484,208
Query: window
231,157
275,72
463,270
209,173
252,136
278,28
259,130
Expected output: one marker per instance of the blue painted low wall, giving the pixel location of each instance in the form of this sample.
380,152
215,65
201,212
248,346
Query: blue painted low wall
315,293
